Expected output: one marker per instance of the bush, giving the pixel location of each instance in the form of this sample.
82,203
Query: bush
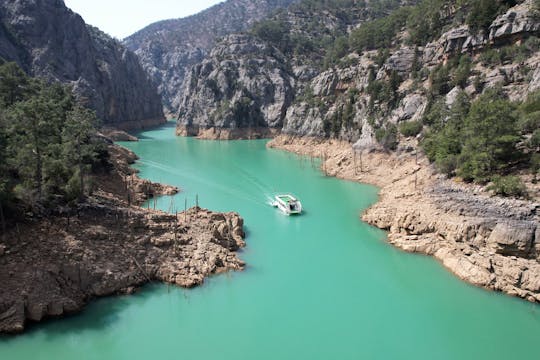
410,128
535,139
508,186
387,137
483,12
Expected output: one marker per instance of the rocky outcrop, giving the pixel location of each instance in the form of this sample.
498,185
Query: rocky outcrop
515,23
243,84
50,41
168,49
488,241
103,249
107,245
239,79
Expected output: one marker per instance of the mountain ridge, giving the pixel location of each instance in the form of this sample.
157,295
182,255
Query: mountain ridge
168,48
49,40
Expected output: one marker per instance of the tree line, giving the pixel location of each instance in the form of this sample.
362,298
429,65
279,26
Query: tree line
486,140
48,145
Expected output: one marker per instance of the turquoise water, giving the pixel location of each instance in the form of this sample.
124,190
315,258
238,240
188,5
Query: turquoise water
323,285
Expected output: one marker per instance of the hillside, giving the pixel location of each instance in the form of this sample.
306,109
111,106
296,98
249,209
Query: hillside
250,80
50,41
436,102
365,76
167,49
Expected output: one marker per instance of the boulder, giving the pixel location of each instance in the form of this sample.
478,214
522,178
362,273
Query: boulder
401,61
513,238
516,22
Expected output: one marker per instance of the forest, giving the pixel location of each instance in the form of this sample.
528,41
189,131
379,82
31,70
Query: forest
48,144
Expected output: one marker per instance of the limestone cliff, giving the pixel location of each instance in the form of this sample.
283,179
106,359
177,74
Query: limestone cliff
244,84
363,91
167,49
48,40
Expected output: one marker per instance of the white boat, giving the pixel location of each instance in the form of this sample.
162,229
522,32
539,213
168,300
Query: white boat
288,204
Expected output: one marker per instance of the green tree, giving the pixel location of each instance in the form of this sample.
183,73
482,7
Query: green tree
78,150
387,136
461,74
490,137
13,84
30,133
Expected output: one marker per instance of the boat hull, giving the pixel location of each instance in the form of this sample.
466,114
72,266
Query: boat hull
288,204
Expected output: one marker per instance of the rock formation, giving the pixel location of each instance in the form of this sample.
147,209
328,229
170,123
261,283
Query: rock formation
244,84
167,49
338,101
53,266
50,41
102,249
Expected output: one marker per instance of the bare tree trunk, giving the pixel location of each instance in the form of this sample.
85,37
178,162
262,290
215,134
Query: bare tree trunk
81,174
2,220
39,166
39,173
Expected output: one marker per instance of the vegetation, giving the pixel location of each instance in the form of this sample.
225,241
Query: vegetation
508,186
510,53
46,143
410,128
480,141
303,33
483,141
387,136
483,12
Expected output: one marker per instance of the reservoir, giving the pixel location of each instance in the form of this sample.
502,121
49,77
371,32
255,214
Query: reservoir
323,285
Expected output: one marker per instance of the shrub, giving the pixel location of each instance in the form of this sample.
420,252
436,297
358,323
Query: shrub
387,137
508,186
410,128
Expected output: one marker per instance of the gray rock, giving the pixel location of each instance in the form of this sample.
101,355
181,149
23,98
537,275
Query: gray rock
517,21
401,61
411,108
48,40
452,96
513,238
535,81
242,84
168,49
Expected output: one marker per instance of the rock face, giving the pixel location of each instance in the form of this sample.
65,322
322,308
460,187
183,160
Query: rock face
50,41
352,99
167,49
517,21
244,84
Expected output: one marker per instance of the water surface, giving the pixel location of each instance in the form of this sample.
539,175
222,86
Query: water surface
320,286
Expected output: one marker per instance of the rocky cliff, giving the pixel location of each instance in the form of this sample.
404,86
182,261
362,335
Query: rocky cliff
250,80
48,40
242,89
167,49
363,91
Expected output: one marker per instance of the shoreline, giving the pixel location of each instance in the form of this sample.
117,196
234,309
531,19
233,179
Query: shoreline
214,133
485,240
51,267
